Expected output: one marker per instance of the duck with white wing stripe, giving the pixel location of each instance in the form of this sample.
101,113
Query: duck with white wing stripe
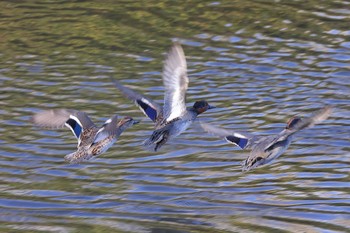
92,141
173,118
264,149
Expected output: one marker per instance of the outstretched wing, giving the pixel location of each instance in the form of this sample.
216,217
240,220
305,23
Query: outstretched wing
109,128
234,138
315,118
175,82
79,121
150,108
55,118
296,124
58,118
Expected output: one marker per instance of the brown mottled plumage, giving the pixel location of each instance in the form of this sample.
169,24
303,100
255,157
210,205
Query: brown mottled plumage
92,141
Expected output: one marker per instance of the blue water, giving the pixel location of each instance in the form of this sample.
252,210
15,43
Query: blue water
259,63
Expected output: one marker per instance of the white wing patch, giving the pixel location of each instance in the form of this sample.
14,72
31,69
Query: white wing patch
146,102
239,135
107,122
76,119
73,131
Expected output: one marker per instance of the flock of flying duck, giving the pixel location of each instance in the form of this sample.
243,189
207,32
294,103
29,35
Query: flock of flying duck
170,120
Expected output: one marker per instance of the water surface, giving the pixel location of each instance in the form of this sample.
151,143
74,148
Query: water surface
259,62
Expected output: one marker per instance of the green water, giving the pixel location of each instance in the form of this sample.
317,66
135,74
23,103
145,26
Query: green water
258,62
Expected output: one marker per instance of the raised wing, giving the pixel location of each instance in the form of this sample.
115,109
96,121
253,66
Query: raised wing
150,108
109,128
58,118
296,124
79,121
315,118
175,82
234,138
55,118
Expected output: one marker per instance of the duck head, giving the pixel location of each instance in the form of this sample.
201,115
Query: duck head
127,122
293,123
201,106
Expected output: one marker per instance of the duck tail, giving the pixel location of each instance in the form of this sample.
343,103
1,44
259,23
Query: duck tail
157,139
76,157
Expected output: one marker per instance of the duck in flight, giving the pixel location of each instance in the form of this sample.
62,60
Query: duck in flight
92,140
173,117
264,149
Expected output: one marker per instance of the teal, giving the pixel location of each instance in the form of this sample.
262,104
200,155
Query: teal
173,118
92,140
265,149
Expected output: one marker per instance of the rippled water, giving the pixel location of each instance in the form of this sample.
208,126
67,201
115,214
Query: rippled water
259,62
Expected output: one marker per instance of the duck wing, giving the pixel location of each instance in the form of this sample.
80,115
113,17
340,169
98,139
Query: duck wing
150,108
76,121
315,118
108,128
175,82
300,124
237,139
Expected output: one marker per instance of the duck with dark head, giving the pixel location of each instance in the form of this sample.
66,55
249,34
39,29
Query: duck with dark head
173,117
201,106
264,149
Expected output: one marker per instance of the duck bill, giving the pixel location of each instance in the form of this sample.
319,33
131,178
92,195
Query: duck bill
211,107
136,122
